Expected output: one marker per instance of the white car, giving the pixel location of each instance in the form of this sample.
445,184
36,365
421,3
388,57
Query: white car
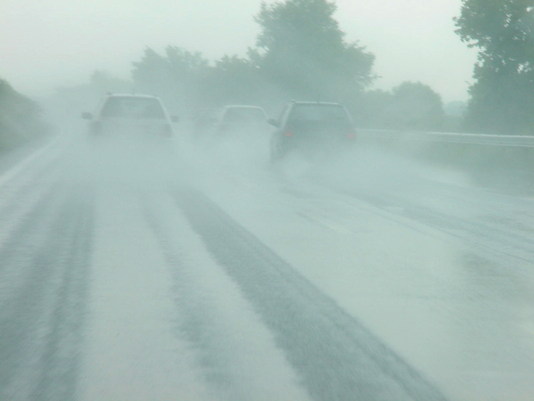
125,115
241,119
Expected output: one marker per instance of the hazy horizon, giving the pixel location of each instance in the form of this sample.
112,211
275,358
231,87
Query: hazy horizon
60,43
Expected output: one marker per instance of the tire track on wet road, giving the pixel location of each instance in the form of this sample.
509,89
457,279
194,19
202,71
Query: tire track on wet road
43,304
237,354
336,356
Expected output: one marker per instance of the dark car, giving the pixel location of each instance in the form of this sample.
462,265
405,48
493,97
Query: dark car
314,129
124,115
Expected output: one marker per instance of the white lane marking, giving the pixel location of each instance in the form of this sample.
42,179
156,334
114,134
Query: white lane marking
21,166
131,350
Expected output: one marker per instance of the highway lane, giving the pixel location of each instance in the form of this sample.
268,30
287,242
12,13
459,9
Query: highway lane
164,276
437,267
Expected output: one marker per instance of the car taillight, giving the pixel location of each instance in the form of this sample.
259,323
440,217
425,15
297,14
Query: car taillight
288,133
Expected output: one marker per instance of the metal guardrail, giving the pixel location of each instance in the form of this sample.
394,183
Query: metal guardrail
450,137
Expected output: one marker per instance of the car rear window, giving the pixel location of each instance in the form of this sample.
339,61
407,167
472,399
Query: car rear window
134,108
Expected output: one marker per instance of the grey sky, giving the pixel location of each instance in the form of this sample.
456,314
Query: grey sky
44,44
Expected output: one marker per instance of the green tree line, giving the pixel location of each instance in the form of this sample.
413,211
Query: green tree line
300,53
502,95
20,118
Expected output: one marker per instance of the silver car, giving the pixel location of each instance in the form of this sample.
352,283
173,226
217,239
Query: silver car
130,116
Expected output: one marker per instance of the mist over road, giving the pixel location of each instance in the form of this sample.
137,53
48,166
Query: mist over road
167,272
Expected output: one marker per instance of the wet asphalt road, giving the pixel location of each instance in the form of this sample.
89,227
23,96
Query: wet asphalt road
169,277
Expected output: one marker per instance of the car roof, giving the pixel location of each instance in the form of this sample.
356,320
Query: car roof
109,96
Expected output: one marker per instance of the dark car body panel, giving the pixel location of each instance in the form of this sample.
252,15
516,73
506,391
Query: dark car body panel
312,127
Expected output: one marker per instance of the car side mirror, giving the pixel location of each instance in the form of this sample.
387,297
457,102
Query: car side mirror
175,119
87,116
273,122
